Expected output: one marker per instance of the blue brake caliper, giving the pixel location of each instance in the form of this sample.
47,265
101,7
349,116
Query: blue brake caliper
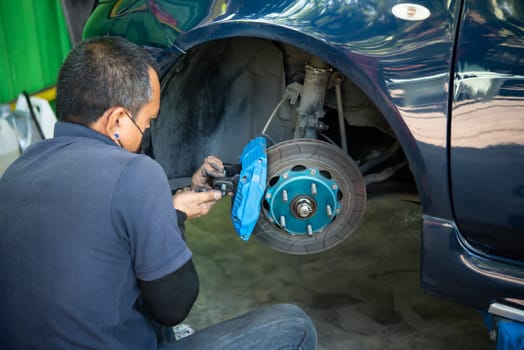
250,188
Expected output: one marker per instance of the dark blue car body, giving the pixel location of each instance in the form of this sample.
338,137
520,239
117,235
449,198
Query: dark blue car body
448,88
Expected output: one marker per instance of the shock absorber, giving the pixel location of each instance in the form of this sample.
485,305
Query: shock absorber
311,108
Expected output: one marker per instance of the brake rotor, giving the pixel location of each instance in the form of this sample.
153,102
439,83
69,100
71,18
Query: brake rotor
315,197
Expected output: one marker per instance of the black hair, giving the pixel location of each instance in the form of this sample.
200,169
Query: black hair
101,73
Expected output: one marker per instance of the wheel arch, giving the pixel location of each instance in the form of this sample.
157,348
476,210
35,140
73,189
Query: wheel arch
348,62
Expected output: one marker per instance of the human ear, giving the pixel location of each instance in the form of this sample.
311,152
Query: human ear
114,122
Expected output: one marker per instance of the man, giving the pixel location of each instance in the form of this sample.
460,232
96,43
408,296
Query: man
92,250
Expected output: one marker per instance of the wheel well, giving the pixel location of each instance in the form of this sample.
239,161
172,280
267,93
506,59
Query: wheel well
222,93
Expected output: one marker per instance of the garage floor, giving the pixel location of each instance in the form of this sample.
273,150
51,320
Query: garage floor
363,294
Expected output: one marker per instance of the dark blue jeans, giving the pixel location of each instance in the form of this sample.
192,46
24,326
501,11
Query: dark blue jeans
282,327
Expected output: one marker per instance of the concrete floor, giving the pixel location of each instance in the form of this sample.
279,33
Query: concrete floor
363,294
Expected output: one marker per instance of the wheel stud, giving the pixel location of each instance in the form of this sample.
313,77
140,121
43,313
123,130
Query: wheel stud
284,195
314,189
309,230
329,211
283,221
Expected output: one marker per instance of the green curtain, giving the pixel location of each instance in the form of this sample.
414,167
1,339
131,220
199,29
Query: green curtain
34,41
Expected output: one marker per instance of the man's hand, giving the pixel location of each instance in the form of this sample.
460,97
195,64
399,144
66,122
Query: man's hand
195,204
212,167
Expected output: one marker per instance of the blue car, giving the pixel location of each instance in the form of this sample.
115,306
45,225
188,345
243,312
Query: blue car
355,99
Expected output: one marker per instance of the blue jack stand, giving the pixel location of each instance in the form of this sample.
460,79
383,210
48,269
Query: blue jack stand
510,334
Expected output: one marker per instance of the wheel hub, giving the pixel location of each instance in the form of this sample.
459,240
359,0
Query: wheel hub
302,202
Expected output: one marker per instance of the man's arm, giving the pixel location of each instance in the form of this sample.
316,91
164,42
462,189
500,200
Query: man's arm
170,298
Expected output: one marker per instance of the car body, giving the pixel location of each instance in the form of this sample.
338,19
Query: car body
419,100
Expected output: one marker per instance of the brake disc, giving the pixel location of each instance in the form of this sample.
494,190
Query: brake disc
314,200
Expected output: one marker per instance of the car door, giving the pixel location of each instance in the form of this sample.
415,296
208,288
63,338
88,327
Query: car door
487,128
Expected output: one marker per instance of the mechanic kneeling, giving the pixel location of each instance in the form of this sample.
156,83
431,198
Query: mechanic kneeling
92,249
